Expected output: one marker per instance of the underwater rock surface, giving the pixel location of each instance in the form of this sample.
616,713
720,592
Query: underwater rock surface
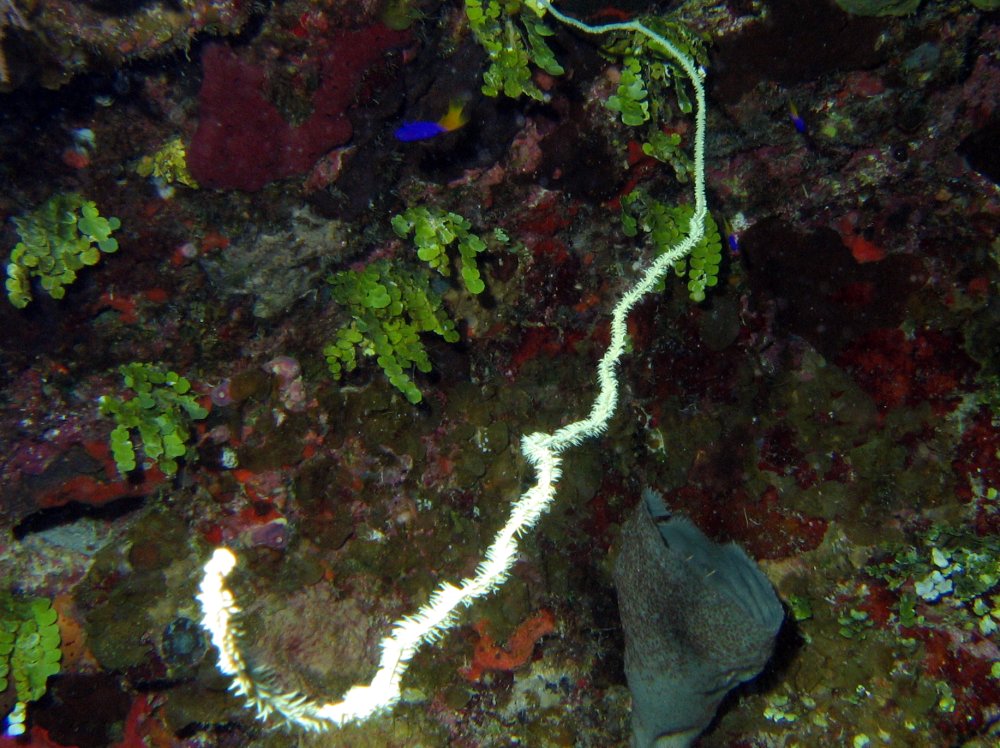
699,618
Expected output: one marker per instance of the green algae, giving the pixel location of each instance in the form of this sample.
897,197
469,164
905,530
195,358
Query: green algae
60,237
389,307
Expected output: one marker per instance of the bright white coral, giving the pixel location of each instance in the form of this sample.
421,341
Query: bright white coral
543,451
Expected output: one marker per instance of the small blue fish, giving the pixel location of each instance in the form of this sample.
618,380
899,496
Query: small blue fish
453,119
734,245
793,115
732,238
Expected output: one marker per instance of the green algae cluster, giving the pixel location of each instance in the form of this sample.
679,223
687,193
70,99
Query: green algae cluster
390,308
60,237
650,80
29,650
168,164
666,225
434,231
513,35
631,100
161,408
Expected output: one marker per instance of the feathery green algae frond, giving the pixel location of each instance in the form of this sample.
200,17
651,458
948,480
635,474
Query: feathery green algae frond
666,225
648,78
390,308
29,650
513,34
434,230
63,235
161,409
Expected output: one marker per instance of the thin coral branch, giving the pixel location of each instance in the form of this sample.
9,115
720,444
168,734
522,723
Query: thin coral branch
543,451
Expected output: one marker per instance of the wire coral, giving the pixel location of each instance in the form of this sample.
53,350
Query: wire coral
665,226
648,76
542,450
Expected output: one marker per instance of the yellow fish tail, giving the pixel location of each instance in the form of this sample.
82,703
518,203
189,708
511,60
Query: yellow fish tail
455,117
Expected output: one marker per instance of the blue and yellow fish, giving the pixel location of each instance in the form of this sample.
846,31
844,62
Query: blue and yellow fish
793,114
453,119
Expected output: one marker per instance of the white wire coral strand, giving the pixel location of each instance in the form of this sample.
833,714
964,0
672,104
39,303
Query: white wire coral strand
542,450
